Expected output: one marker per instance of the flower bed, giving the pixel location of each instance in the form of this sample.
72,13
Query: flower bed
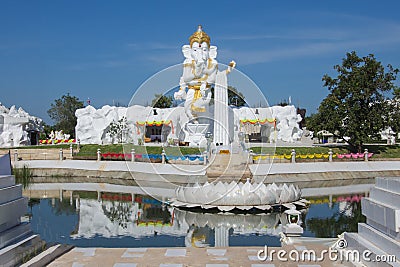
61,141
151,157
313,156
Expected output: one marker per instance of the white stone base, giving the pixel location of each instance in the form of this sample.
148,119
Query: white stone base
355,241
292,230
10,193
12,235
13,254
6,181
381,233
11,212
195,134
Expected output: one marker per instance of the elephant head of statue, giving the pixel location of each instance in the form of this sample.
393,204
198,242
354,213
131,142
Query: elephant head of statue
200,53
199,49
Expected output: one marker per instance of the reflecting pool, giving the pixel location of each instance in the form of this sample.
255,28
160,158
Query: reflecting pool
121,219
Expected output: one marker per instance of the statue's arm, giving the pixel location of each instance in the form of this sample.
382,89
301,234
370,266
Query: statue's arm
187,74
211,71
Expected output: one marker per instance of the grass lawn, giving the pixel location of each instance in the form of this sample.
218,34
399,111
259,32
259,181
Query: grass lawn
384,151
299,150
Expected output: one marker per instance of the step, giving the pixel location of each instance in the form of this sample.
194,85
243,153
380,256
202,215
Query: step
7,181
388,183
384,216
228,179
385,196
385,243
13,254
10,193
228,170
239,165
11,212
47,256
356,242
13,234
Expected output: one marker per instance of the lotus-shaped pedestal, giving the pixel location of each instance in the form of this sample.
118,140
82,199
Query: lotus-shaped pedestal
244,196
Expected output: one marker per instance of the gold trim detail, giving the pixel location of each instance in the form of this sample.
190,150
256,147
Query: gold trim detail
199,36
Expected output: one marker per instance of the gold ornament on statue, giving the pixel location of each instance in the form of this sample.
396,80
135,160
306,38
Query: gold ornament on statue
199,36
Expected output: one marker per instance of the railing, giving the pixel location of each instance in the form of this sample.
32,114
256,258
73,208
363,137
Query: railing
40,154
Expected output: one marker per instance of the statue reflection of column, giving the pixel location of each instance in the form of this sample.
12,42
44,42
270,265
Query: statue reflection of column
330,205
163,205
77,203
71,198
61,195
221,236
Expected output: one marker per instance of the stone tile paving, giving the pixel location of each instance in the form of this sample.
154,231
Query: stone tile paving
182,257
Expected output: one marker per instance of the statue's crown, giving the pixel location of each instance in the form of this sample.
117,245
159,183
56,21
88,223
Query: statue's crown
199,36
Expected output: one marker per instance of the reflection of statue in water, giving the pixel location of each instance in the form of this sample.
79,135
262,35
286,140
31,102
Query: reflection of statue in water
200,70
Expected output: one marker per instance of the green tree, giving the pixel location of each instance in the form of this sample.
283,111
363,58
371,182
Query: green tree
47,130
119,212
162,101
62,111
338,222
116,129
235,97
357,105
395,115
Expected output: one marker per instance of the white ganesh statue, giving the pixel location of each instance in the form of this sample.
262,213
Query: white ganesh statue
200,69
200,72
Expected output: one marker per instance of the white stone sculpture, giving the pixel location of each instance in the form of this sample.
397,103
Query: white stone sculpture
200,73
250,223
59,135
200,69
94,222
389,135
52,135
228,196
287,123
15,125
92,123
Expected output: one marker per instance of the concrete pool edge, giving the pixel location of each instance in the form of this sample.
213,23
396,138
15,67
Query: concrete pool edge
136,172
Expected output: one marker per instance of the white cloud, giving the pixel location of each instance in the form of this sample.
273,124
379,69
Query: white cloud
369,33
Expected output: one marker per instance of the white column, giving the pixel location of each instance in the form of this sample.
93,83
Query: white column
221,236
221,130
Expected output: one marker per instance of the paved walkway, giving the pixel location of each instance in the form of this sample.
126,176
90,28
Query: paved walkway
180,257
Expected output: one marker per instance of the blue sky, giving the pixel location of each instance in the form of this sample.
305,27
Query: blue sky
104,50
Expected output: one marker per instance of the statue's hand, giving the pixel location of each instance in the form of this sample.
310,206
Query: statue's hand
203,89
231,66
180,95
